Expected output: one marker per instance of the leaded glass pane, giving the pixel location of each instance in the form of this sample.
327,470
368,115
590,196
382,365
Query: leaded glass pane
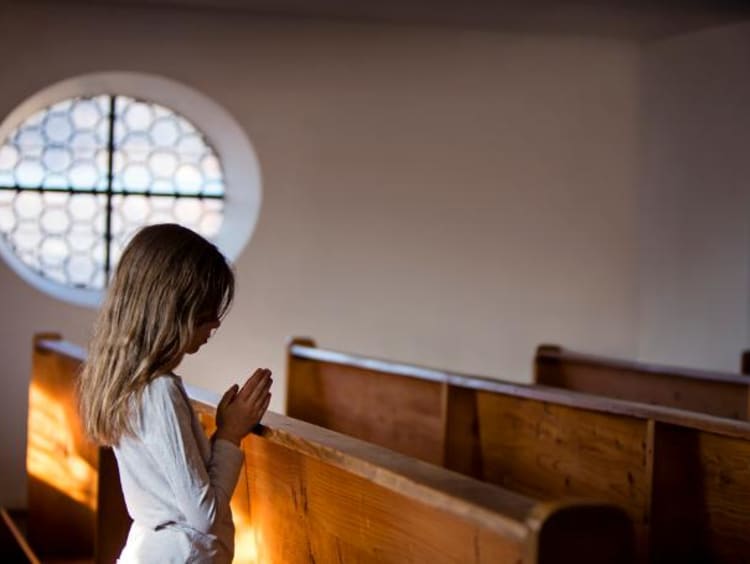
56,234
131,211
8,216
160,152
59,147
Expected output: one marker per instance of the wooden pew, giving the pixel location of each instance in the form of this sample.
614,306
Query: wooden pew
67,511
307,494
745,362
13,545
680,475
318,496
714,393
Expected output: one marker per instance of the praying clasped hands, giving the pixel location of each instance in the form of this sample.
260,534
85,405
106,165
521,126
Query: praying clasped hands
240,409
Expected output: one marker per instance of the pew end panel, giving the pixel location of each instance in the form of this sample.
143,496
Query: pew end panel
593,527
61,461
70,517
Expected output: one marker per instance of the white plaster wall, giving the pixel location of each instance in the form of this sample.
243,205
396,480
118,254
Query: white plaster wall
694,220
438,196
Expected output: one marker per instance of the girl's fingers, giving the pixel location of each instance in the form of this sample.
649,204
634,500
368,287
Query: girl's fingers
261,399
254,381
260,388
264,406
228,396
250,383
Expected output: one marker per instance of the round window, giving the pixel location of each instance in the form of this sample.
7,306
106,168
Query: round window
80,174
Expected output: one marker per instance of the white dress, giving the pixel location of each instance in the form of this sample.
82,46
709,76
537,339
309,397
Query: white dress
177,484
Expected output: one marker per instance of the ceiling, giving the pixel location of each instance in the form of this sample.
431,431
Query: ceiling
627,19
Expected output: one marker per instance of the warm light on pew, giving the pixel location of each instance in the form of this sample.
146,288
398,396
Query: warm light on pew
245,535
245,547
51,456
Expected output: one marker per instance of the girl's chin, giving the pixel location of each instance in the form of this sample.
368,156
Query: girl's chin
195,347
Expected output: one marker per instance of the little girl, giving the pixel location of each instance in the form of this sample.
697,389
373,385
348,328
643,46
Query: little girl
170,291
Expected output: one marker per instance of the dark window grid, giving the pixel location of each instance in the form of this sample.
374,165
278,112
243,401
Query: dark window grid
109,191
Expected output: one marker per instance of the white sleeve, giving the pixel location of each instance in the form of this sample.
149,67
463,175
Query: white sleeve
202,492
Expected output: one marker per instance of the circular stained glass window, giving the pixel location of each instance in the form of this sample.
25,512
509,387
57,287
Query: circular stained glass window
81,169
77,178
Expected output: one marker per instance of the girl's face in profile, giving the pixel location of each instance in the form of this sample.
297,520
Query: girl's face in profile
207,324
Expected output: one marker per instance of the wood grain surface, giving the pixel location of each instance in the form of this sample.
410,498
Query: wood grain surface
682,476
309,494
713,393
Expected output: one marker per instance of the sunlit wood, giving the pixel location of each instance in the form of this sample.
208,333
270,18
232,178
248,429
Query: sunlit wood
62,463
245,547
245,542
51,455
682,476
306,495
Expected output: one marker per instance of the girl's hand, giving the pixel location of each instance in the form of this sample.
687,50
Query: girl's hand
240,409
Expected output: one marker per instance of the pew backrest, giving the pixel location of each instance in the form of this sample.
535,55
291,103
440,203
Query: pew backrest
317,495
553,443
310,494
714,393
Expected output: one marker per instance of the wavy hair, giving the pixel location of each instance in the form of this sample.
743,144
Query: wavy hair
168,281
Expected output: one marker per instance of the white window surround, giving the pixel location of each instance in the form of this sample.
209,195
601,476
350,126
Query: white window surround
242,177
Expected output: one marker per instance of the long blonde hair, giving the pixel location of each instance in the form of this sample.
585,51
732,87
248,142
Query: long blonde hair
167,280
